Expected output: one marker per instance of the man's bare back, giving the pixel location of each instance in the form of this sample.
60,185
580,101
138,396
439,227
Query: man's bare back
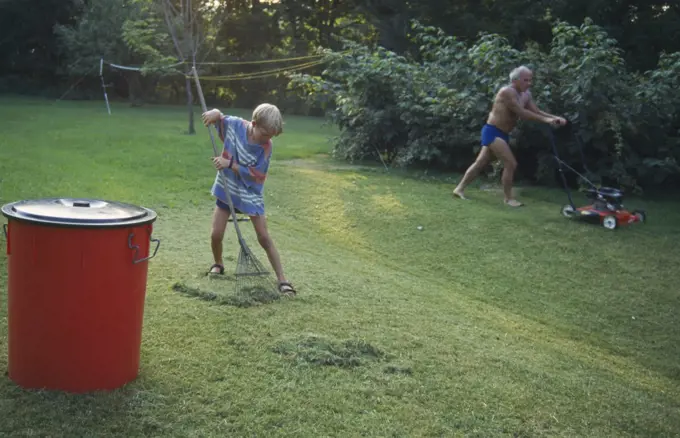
502,115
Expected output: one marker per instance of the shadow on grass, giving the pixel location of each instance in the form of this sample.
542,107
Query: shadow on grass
99,413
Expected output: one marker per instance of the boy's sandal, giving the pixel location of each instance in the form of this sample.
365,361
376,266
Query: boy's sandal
286,288
216,265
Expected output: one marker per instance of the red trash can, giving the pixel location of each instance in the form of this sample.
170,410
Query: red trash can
77,272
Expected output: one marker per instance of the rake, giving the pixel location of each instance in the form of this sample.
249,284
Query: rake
251,275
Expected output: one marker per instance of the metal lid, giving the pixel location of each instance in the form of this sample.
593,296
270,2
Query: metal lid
78,212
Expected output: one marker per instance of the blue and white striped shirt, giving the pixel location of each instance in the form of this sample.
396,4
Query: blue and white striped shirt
246,189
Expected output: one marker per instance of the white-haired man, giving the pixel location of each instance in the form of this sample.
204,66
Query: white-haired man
512,102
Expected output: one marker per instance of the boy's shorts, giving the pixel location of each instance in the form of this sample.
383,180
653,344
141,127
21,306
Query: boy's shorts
225,206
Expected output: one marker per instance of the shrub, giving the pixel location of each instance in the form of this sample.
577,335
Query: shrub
429,108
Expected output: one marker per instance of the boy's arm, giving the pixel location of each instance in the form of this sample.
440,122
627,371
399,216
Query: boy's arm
255,174
221,121
222,124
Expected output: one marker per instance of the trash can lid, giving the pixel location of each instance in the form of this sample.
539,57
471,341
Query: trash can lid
79,212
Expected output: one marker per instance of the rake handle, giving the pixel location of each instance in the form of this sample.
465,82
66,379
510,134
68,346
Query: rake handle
212,140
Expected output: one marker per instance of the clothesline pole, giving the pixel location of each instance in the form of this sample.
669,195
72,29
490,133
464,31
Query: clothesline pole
101,76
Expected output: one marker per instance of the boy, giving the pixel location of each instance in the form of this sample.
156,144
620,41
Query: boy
244,163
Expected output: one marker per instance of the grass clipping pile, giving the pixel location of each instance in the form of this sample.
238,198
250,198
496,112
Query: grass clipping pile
248,296
321,351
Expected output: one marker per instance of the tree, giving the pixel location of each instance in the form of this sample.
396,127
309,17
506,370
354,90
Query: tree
170,33
29,53
96,35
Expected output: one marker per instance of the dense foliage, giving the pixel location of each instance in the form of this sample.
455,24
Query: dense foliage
430,107
48,45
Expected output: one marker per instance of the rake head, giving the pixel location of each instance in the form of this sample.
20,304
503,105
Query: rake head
251,275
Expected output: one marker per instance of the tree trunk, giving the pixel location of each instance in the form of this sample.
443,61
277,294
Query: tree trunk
190,107
135,94
174,92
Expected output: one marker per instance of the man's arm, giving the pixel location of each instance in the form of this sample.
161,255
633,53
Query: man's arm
512,103
533,107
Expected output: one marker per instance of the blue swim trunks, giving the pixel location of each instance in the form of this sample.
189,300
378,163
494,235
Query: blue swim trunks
489,134
225,206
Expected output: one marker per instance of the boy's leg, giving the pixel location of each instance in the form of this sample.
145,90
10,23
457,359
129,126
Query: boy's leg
502,150
472,172
219,226
265,240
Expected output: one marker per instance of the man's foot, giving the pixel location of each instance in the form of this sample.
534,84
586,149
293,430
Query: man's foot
459,193
216,269
513,203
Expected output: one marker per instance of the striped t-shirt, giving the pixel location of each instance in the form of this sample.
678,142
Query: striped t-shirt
253,160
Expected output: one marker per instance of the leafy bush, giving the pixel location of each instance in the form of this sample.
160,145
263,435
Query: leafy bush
429,108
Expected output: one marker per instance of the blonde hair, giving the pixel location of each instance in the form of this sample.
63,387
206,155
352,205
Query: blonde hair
268,117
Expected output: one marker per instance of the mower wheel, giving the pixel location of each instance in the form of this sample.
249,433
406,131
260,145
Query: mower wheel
610,222
568,210
641,215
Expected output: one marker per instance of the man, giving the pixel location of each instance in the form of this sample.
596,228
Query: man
512,102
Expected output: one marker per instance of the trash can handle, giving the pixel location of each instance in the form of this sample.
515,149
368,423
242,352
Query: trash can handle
136,248
4,228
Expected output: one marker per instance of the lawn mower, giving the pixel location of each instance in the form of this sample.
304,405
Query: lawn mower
606,207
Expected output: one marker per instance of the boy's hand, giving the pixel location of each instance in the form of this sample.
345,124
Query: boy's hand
212,116
220,163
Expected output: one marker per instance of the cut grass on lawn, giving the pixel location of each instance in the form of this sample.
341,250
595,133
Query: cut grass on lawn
489,322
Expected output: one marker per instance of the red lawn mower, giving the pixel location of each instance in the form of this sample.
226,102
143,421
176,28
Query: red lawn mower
606,207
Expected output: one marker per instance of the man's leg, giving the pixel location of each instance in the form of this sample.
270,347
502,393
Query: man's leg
266,242
472,172
502,150
219,226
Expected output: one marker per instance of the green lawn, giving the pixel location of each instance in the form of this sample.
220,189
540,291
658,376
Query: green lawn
488,322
